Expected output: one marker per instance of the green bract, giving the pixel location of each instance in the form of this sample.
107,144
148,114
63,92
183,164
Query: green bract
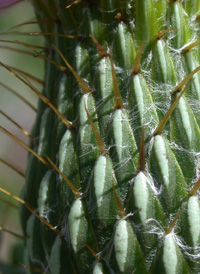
135,203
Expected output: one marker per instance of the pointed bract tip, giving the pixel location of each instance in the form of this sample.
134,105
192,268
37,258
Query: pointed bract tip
12,233
29,207
75,191
35,270
122,212
190,46
68,124
73,3
25,132
30,23
173,223
118,98
195,188
41,159
94,253
81,82
23,44
19,96
179,87
119,17
71,36
163,122
160,34
102,52
28,75
137,63
38,54
12,167
100,143
9,203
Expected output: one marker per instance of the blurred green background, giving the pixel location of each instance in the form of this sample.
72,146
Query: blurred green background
20,112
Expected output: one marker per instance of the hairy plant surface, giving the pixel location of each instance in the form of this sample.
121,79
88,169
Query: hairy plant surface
113,171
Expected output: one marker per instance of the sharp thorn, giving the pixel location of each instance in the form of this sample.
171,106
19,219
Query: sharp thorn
44,99
19,96
21,128
99,140
137,63
102,52
118,99
75,191
26,147
163,122
12,167
30,209
82,84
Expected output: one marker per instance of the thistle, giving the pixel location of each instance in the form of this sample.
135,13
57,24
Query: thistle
112,179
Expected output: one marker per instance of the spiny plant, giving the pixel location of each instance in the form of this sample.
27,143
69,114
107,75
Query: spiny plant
112,179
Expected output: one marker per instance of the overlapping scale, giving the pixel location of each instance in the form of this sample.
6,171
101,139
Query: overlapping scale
149,239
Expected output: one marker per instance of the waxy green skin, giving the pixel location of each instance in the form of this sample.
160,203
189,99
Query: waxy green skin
121,221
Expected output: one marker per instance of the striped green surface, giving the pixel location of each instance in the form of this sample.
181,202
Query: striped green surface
120,99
